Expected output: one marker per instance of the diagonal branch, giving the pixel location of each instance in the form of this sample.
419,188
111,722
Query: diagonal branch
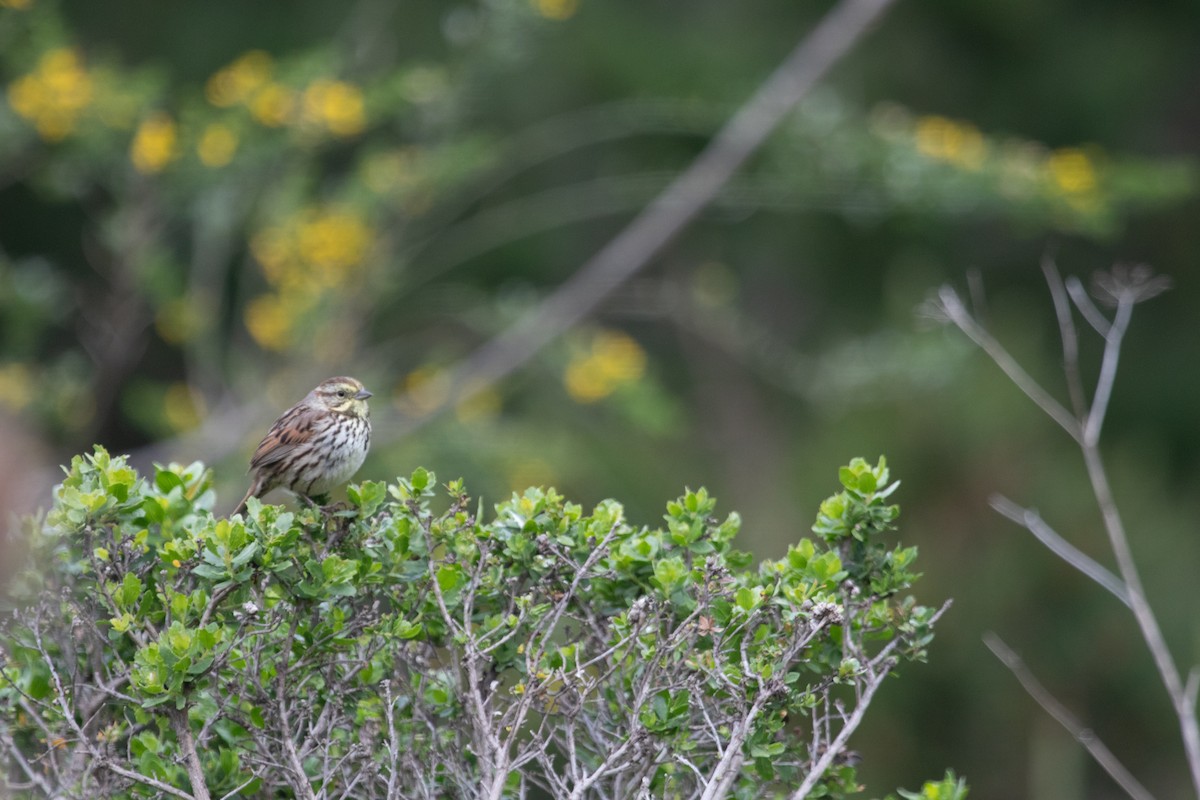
1031,521
1087,308
1050,704
685,197
952,306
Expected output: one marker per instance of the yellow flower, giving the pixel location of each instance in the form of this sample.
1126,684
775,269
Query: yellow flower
16,386
614,359
332,243
269,322
182,407
618,357
1072,171
958,143
336,105
154,144
19,5
237,82
272,105
584,384
217,145
556,9
54,96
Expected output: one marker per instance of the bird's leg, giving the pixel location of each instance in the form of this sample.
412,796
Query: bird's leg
317,501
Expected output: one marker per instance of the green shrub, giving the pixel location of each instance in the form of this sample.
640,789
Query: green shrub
410,645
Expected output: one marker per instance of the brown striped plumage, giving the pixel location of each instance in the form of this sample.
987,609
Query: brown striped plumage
315,445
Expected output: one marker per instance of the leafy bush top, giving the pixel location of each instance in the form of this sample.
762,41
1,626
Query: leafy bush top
408,645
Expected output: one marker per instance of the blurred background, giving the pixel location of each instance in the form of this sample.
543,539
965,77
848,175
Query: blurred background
208,207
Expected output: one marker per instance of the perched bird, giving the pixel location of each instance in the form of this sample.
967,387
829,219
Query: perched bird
316,444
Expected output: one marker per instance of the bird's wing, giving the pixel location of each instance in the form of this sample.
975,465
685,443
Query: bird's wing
291,430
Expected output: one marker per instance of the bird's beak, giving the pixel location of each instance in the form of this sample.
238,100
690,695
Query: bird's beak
363,394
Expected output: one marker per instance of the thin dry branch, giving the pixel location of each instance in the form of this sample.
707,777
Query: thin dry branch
956,311
1068,334
1123,288
674,208
877,671
191,759
1031,521
1083,734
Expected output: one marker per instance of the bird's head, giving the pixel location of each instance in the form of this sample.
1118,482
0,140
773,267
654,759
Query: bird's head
343,395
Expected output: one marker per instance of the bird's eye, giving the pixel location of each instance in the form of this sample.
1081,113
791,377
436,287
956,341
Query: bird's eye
341,392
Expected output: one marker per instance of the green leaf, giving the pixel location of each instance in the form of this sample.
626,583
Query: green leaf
210,572
243,558
800,554
826,567
407,630
368,496
256,717
669,573
449,577
420,479
131,590
848,477
767,749
166,480
748,598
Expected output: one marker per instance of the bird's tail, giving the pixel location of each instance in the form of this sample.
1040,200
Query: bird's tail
256,486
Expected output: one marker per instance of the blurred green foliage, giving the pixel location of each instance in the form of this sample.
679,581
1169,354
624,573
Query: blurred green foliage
207,208
275,213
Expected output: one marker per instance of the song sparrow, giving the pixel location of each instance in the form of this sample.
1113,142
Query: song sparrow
316,444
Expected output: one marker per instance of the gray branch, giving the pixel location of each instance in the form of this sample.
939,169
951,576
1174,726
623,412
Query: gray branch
1084,735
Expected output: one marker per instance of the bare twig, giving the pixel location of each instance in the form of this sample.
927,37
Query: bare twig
1084,735
215,601
1108,371
153,783
957,313
1152,634
1124,287
877,671
1068,334
1087,308
187,746
1031,521
232,793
